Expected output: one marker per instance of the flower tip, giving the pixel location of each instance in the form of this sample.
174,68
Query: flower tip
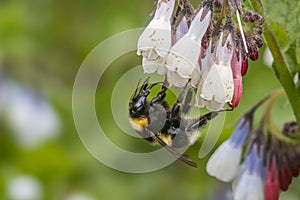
244,67
237,94
254,56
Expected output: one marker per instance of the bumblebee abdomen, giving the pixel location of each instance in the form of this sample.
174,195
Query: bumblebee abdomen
139,123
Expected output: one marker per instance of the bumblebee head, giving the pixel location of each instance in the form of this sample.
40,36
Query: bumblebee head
138,105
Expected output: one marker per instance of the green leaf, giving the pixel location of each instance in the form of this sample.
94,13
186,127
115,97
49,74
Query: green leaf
286,13
281,35
289,56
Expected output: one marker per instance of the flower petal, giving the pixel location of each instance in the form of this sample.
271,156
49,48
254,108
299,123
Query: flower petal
183,56
152,66
155,41
224,163
176,80
249,187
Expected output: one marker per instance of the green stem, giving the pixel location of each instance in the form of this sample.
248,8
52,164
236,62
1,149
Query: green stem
280,66
222,15
272,128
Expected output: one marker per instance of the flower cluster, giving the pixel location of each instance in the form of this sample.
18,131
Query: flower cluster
268,165
206,47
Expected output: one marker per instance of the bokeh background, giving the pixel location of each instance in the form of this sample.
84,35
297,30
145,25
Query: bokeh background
42,45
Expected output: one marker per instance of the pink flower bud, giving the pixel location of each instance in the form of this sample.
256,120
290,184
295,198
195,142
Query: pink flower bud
236,67
237,94
244,69
272,185
285,174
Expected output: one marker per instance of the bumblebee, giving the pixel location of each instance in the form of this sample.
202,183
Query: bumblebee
160,124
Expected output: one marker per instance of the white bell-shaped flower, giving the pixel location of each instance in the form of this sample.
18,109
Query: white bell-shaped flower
216,88
155,41
224,163
206,60
183,56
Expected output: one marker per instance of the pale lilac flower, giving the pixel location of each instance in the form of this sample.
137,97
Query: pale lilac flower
24,187
181,30
250,184
182,20
205,62
32,118
155,41
182,59
217,86
224,163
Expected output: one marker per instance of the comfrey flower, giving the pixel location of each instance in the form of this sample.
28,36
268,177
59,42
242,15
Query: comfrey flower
155,41
182,60
182,20
268,166
216,88
183,46
250,183
224,163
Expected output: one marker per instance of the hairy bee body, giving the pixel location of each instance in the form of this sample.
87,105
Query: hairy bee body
158,123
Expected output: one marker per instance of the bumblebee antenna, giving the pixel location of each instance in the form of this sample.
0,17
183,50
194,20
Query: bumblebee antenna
137,86
145,84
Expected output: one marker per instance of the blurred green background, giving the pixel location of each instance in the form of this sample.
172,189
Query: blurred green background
42,45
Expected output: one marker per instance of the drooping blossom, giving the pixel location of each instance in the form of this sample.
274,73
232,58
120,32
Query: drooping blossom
217,86
224,163
155,41
250,183
182,60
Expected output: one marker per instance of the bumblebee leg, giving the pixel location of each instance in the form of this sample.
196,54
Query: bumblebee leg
187,102
202,121
185,106
161,95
